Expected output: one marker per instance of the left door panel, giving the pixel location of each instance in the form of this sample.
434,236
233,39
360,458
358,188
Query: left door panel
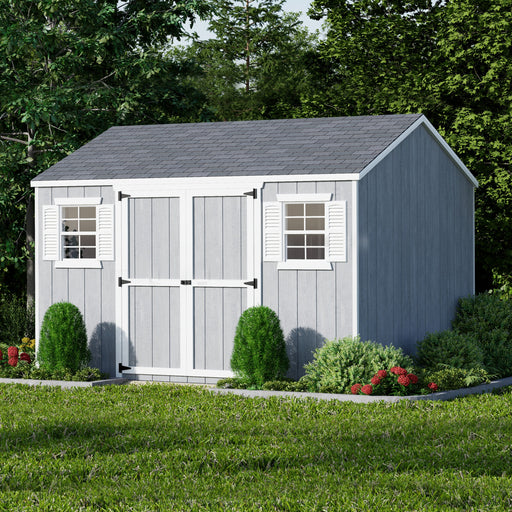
153,286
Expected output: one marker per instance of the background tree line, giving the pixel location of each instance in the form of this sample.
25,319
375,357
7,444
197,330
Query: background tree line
71,69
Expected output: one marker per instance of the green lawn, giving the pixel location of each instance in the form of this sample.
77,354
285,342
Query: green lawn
161,447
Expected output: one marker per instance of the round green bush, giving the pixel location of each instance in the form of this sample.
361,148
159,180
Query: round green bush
63,339
339,364
456,378
449,349
259,351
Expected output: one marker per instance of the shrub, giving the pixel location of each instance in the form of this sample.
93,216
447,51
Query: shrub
449,348
286,385
16,319
63,340
457,378
489,319
340,363
259,351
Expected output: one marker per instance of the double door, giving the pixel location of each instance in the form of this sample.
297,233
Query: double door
188,272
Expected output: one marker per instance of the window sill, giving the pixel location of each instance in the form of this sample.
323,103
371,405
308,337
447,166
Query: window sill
78,263
304,265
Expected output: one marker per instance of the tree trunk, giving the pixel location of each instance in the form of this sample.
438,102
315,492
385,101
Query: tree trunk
30,230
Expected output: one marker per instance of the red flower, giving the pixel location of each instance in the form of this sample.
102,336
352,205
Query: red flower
413,379
398,370
25,357
12,352
355,389
404,380
375,380
13,361
382,374
433,386
367,389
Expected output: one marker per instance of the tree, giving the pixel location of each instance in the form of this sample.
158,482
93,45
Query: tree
69,70
256,65
453,62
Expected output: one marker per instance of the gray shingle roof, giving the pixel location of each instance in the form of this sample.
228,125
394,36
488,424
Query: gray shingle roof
241,148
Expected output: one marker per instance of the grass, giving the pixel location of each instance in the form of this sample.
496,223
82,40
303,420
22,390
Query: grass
161,447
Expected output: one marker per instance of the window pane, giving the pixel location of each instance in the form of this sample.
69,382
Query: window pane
71,253
70,225
87,212
89,253
70,212
315,224
88,225
70,241
88,240
316,253
295,224
294,210
294,253
315,240
295,240
315,210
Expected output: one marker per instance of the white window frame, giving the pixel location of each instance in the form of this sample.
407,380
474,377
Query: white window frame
275,232
59,260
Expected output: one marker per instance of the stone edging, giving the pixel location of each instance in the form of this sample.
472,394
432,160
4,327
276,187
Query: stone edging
64,384
442,395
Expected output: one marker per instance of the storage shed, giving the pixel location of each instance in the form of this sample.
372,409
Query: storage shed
162,235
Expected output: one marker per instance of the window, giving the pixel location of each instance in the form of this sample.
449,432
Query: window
78,233
304,231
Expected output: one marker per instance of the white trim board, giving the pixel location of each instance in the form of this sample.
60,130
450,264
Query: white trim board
422,121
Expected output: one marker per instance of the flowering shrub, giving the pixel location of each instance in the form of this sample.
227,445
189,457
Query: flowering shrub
397,381
16,360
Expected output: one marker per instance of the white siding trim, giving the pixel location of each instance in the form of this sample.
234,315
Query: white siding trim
65,201
78,263
444,145
304,198
355,258
304,265
178,372
38,256
193,181
122,297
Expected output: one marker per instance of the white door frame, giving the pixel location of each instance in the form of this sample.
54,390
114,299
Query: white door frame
186,197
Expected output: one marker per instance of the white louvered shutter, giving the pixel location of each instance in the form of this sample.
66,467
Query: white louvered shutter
105,232
272,231
50,233
337,230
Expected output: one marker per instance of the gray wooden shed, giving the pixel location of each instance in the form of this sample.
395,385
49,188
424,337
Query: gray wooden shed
163,235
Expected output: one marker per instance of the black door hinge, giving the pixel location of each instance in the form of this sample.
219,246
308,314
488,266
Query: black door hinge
186,281
122,281
253,283
253,193
121,196
121,368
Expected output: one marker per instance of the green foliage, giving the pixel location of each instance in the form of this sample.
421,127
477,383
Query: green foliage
183,448
70,70
63,339
259,350
449,348
83,375
257,64
456,378
488,319
339,364
16,319
300,385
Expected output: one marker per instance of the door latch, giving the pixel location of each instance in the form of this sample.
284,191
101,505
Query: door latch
186,281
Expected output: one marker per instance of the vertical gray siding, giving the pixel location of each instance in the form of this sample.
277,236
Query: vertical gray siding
415,243
91,290
313,305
